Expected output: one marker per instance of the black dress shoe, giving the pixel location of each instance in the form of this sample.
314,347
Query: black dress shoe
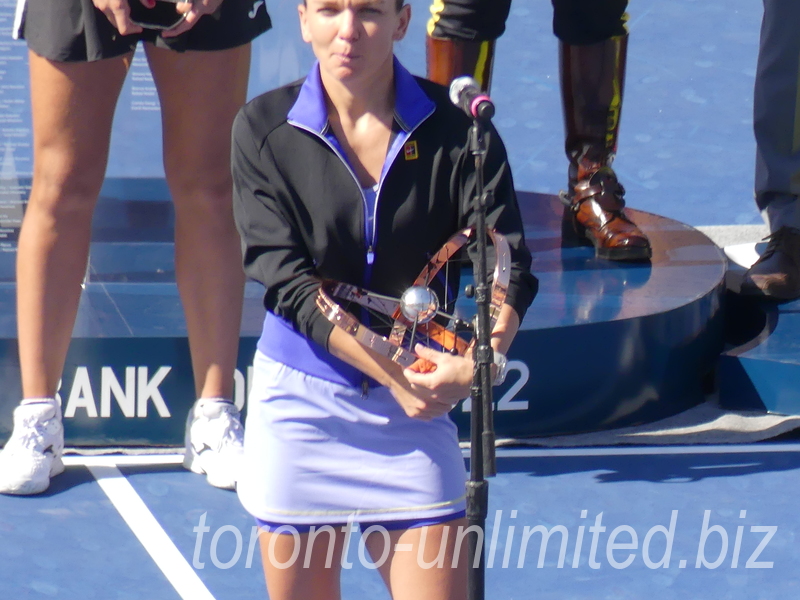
776,274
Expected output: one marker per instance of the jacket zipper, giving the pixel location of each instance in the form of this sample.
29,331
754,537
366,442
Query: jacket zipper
327,142
372,241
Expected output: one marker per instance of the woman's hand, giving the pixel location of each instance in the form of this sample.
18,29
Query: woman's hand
432,386
416,407
193,9
118,12
439,389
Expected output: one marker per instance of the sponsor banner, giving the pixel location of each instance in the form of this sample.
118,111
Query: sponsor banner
122,391
137,391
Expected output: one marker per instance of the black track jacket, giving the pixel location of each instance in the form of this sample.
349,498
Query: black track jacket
300,210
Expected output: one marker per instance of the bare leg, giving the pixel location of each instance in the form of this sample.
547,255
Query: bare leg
73,107
310,572
423,569
200,93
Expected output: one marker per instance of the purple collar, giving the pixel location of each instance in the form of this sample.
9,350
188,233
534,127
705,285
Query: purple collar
412,105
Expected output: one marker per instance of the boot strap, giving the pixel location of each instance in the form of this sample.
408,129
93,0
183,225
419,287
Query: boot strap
603,188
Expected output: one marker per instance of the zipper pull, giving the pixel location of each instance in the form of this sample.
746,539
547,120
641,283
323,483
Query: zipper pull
370,255
364,387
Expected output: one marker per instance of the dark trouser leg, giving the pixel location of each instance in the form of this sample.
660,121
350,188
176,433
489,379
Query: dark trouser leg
776,122
776,115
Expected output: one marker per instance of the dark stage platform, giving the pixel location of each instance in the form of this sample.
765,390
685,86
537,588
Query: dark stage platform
610,344
762,371
604,344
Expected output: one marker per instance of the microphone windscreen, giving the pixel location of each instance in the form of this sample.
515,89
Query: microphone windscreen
458,86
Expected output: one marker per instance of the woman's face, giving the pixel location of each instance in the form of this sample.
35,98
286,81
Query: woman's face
353,39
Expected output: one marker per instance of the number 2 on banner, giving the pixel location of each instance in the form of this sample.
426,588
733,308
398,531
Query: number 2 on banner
507,402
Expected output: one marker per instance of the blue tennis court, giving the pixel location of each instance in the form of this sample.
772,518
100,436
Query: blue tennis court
605,523
662,522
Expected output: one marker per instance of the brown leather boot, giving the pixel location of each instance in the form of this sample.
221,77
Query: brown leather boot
448,59
592,80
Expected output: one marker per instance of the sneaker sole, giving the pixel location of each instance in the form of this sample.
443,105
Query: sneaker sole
33,487
191,462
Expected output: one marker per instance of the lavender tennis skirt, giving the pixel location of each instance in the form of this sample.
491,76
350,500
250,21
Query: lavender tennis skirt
318,452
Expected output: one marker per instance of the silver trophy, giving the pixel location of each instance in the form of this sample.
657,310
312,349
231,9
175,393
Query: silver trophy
420,315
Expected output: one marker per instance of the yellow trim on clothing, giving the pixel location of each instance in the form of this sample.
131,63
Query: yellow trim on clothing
436,10
480,65
615,106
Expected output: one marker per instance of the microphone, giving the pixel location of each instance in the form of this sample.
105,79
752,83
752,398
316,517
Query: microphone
466,94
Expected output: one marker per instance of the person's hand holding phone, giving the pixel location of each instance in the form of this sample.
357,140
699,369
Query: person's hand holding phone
172,17
161,15
118,13
192,12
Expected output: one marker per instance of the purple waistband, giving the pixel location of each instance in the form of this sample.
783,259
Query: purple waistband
282,343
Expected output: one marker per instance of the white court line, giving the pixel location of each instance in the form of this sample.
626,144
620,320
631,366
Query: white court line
121,460
646,450
145,527
743,255
176,459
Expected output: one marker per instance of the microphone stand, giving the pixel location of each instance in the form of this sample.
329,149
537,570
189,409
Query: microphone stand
482,447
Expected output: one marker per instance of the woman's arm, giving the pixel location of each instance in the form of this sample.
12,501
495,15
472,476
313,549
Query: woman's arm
274,252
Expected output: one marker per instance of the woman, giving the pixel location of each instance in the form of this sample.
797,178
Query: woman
79,54
357,174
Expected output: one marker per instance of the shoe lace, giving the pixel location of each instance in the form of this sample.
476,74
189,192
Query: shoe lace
30,434
225,428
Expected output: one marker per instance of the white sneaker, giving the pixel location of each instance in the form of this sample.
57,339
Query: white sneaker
32,455
214,441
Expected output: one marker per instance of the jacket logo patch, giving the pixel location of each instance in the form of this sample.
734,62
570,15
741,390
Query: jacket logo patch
410,150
